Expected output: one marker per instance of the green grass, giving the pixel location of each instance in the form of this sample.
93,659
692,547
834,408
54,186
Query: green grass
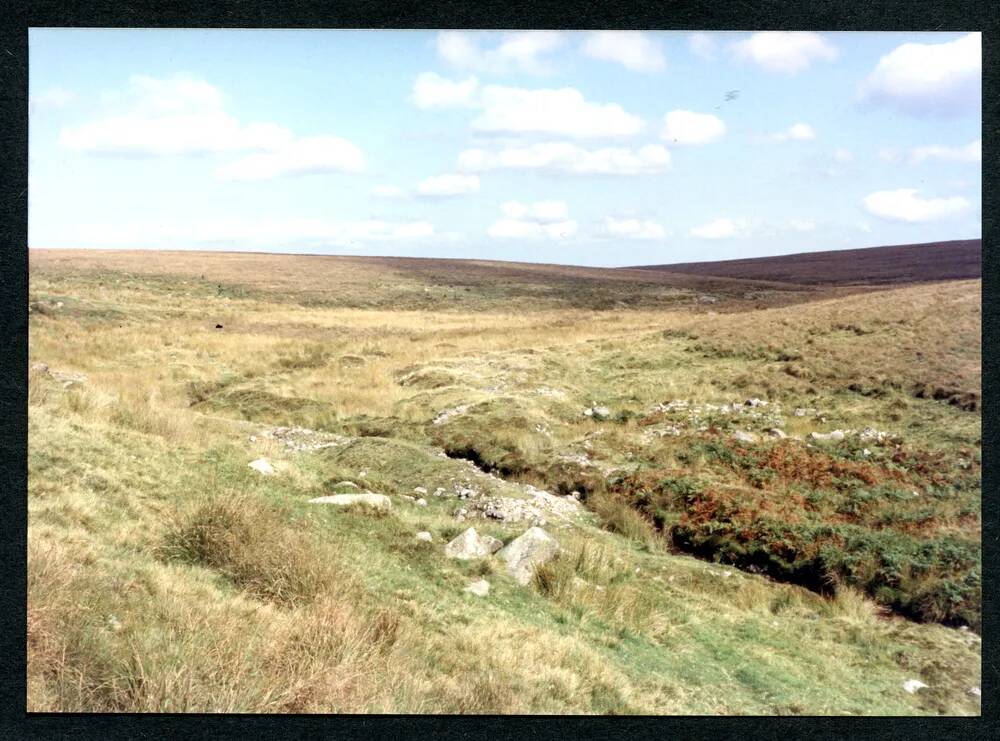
165,575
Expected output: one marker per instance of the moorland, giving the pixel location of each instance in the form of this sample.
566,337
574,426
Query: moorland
765,488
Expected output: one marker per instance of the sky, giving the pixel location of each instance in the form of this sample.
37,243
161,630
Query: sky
586,148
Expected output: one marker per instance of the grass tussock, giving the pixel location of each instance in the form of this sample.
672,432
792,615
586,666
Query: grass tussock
285,566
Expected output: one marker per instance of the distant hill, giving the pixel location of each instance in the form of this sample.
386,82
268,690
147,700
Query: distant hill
909,263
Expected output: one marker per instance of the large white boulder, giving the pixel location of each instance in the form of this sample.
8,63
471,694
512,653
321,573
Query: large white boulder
262,465
467,545
527,552
379,501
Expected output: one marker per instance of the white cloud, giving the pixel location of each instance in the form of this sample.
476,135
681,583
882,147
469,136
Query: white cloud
552,111
785,51
702,45
688,127
721,228
970,153
179,115
448,185
273,234
184,115
942,79
905,205
545,212
516,52
843,156
388,191
433,91
568,158
52,98
796,132
633,50
633,229
891,155
538,220
308,156
727,228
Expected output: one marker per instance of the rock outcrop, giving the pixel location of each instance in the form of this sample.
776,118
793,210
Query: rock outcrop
527,552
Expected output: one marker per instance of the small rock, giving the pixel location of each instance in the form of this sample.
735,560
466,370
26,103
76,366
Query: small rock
835,436
777,433
467,545
480,588
262,465
527,552
421,502
975,692
114,623
424,536
378,501
407,497
40,367
912,685
744,437
253,438
755,403
346,485
420,490
866,452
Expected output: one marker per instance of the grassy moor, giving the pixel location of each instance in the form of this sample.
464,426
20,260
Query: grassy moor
763,479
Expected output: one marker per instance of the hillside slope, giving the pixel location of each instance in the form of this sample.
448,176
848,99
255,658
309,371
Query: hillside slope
911,263
711,566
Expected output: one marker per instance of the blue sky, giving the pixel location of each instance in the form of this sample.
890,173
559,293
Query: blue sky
612,149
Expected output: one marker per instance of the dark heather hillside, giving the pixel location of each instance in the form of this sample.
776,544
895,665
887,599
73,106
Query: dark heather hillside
911,263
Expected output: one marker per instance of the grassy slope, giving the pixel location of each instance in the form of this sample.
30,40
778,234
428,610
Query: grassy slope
166,575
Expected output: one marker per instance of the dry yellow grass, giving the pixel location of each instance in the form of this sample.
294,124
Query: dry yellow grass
165,576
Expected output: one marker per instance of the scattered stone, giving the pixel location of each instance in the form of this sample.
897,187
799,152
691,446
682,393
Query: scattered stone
480,588
253,438
596,412
975,692
407,497
744,437
777,433
912,685
424,536
40,367
378,501
421,502
755,403
346,485
527,552
866,452
468,545
114,624
420,490
835,436
68,379
262,465
447,414
302,439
